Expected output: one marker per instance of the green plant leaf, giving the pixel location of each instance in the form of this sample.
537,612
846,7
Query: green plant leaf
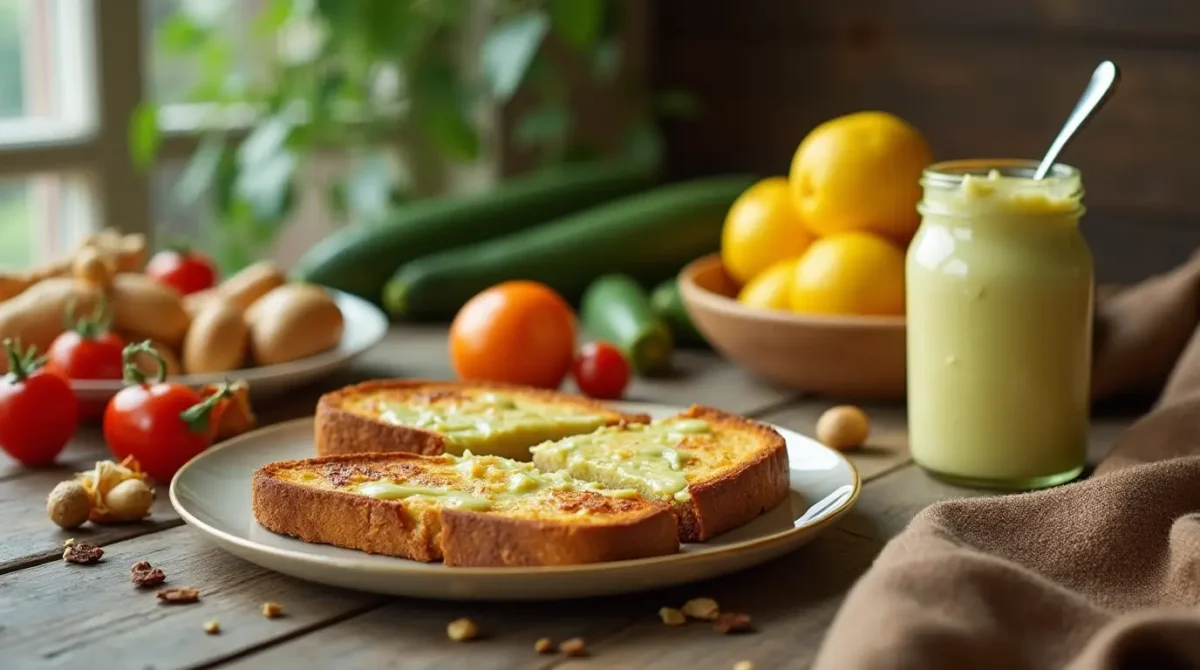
543,125
144,137
643,143
676,103
264,142
266,186
508,50
452,132
368,188
179,34
577,22
201,170
272,18
606,59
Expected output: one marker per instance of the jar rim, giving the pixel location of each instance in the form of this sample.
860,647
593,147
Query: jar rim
950,174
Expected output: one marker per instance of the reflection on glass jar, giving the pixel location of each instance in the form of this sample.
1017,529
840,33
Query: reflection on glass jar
999,294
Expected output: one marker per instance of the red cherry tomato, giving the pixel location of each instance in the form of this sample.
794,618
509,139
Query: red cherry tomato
161,424
601,371
185,271
88,350
38,409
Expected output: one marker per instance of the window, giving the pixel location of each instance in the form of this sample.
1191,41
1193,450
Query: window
70,80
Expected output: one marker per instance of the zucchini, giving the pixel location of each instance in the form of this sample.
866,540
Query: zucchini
668,305
616,309
648,236
359,259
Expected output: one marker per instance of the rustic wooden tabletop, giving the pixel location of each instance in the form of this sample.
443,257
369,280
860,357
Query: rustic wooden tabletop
54,614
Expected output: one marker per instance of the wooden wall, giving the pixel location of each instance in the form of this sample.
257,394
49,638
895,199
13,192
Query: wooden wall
990,78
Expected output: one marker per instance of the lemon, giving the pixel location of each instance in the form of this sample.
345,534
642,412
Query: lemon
861,171
761,228
771,288
849,273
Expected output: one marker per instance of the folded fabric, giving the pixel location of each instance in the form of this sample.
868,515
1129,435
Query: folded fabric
1101,574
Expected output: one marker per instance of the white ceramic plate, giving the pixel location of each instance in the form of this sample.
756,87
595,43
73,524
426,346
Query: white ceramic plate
366,326
212,494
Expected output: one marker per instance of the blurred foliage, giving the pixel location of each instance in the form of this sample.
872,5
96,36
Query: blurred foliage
369,76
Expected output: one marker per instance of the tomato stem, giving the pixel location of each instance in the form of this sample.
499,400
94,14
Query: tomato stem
197,416
21,363
132,373
89,327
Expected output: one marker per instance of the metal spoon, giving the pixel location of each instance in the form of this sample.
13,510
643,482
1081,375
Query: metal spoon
1103,83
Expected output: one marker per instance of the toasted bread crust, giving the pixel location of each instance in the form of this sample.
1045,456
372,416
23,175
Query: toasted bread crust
736,496
339,431
457,537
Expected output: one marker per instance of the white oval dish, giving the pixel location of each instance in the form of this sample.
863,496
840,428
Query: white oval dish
366,326
212,494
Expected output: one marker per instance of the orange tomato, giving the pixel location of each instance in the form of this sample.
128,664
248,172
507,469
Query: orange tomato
517,332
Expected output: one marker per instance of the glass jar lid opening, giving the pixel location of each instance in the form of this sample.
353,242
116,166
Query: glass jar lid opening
950,174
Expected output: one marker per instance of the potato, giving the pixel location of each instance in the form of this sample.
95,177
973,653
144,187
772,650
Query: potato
216,340
146,363
291,322
35,317
127,251
194,302
13,284
143,309
251,283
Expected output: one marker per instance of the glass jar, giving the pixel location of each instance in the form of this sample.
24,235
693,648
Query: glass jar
999,306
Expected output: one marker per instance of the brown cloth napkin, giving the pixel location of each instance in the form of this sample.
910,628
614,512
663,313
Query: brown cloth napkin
1101,574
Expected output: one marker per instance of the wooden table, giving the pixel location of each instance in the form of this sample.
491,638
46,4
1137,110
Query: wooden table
54,614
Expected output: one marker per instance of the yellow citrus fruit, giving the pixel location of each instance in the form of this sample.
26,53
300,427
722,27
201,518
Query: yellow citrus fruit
762,228
861,171
849,273
771,288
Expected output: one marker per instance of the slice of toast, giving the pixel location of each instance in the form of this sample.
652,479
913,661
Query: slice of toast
718,470
464,510
434,417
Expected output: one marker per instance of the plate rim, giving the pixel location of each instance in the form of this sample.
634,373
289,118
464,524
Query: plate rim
418,568
327,358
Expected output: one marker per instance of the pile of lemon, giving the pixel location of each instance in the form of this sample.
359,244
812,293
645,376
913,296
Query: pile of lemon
831,237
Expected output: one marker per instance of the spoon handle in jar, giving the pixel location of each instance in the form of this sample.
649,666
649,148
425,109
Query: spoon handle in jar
1103,83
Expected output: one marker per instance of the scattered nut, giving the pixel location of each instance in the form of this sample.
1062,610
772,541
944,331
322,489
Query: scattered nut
732,622
81,553
69,504
544,645
705,609
743,665
573,647
128,501
671,616
461,630
272,610
144,574
212,627
181,596
843,427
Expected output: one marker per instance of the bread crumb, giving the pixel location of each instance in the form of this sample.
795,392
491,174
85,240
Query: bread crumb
732,622
212,627
743,665
272,610
573,647
461,630
671,616
705,609
544,645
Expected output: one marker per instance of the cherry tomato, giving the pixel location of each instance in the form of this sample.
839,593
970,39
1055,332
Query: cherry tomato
184,270
601,371
88,350
38,409
161,424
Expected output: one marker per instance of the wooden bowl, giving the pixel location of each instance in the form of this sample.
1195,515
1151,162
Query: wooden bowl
847,356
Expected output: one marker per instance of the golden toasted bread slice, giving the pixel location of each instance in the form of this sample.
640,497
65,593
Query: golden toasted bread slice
428,417
465,510
717,470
